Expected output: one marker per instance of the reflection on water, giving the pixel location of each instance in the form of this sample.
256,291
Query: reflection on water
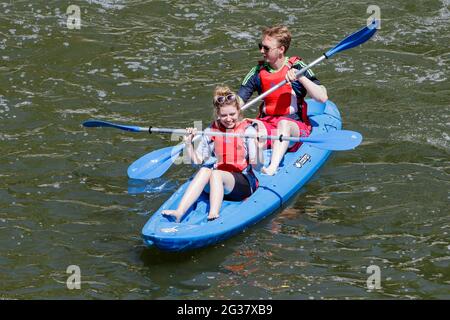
156,186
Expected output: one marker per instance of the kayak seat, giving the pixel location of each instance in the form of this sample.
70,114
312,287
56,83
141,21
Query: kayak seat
331,122
332,110
197,213
316,108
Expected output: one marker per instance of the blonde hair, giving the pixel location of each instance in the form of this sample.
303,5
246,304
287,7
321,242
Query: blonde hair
281,33
225,91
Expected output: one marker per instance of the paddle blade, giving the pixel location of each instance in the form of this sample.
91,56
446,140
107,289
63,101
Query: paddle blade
100,123
354,39
154,164
335,140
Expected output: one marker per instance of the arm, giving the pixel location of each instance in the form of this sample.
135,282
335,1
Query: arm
248,86
255,152
308,83
315,91
189,147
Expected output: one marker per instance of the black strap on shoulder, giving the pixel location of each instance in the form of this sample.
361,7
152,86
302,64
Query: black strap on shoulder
255,125
150,129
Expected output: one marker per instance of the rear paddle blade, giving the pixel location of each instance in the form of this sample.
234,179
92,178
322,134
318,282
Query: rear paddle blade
338,140
101,123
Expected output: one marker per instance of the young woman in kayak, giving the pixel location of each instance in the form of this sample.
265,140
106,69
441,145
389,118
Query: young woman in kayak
231,177
285,109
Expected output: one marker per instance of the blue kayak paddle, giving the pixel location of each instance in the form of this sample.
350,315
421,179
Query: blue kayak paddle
155,163
334,140
147,167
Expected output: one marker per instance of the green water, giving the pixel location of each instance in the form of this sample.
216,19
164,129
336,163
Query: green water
64,195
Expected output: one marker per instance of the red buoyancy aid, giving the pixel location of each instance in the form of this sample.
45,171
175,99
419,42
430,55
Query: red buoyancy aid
230,151
279,102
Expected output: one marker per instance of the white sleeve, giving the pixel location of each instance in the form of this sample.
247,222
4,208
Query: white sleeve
205,147
250,143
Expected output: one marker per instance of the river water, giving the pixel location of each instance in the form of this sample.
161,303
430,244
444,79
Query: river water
65,198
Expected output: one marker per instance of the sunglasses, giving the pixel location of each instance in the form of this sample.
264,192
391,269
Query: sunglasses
266,48
219,100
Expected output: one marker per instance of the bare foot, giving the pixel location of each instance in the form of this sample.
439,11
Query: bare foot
212,216
173,213
269,171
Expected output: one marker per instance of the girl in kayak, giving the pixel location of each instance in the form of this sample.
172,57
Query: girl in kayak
231,177
284,110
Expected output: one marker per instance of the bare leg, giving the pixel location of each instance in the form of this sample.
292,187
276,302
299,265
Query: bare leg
192,193
287,129
261,145
219,180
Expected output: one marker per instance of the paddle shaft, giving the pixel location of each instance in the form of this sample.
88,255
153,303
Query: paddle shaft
225,134
282,83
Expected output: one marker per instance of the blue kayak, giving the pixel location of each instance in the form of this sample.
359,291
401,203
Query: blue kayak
195,231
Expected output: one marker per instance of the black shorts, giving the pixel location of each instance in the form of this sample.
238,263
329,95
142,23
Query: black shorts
242,188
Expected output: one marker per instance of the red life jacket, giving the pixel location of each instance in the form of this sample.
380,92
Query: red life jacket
283,101
230,151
